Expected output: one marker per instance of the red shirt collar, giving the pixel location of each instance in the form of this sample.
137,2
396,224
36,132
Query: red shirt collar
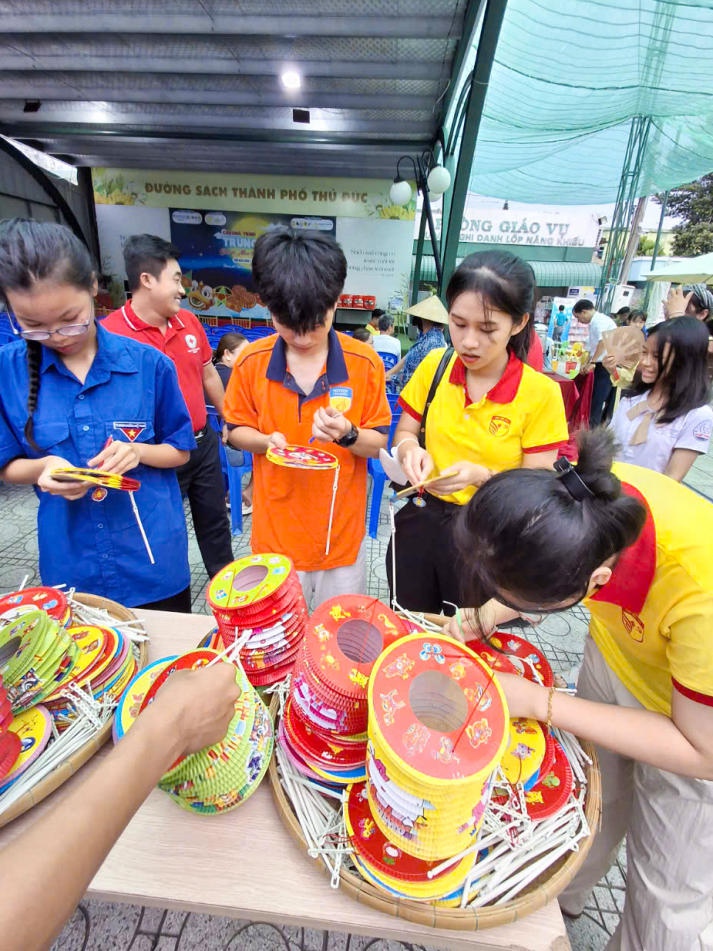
633,573
504,391
136,323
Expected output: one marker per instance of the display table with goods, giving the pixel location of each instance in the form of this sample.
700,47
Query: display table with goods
65,660
247,864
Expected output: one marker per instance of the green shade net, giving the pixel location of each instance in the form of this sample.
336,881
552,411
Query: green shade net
568,78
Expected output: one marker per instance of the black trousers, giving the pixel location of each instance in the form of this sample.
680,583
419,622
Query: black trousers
179,603
427,563
601,391
201,480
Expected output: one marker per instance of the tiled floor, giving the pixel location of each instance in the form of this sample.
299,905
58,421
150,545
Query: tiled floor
98,926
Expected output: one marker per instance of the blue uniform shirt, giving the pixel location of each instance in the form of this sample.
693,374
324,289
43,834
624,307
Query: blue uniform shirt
131,393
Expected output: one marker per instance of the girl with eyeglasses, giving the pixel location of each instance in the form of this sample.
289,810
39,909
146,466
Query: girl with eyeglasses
638,548
74,395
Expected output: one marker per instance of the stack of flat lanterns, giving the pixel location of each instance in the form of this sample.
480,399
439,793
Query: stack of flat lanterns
323,730
44,656
261,594
220,777
438,727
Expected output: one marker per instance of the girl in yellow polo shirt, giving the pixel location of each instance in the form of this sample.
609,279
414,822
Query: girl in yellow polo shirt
640,551
490,412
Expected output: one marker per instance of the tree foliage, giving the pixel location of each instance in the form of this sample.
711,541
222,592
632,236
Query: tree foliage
694,204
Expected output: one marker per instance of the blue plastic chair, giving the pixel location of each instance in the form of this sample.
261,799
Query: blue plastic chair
232,474
235,489
376,470
388,359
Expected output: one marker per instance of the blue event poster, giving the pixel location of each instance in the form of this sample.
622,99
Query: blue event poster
216,249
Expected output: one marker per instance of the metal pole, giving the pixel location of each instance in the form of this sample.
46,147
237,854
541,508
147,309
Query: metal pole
450,230
657,243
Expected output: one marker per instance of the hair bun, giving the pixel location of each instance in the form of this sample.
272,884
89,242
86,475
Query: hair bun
596,455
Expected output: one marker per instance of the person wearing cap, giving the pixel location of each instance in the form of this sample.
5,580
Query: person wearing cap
430,317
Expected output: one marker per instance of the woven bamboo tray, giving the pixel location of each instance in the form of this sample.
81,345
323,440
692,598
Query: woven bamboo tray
541,891
70,766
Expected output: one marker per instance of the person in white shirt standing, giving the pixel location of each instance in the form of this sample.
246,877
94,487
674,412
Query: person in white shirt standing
386,340
599,323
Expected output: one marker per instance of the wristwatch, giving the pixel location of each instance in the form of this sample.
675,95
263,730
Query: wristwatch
349,438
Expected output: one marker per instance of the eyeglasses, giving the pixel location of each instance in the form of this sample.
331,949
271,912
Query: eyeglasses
71,330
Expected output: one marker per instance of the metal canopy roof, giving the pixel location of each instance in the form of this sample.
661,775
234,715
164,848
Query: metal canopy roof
194,84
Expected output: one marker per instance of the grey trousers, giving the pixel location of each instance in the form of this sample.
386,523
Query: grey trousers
668,823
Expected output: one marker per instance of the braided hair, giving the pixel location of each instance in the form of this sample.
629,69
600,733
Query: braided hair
525,532
33,251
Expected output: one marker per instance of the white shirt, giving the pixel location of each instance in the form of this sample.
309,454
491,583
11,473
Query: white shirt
692,431
599,324
387,343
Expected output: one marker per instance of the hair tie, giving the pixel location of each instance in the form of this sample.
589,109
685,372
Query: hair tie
572,480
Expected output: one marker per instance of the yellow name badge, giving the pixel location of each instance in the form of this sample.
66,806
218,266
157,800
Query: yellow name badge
340,398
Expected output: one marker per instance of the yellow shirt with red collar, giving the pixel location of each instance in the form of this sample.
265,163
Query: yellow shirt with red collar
523,413
653,621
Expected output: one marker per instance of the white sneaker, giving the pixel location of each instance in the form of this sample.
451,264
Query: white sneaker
247,509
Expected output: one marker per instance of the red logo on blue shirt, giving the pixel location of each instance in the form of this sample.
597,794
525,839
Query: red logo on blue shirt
132,431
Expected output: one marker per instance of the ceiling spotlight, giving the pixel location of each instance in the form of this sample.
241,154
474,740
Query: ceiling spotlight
291,79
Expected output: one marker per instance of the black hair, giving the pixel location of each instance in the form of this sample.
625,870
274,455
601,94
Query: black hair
561,308
146,254
361,333
682,367
386,321
523,532
377,312
581,305
505,282
622,312
299,276
229,341
33,251
635,315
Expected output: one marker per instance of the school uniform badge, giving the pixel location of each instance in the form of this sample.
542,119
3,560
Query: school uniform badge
340,398
499,426
132,431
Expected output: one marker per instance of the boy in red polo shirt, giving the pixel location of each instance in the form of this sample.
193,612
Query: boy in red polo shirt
154,316
308,382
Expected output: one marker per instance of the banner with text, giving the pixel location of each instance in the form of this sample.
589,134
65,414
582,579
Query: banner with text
345,197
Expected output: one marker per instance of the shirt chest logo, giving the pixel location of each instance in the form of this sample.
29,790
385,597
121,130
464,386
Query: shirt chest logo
340,398
703,430
499,426
633,625
132,431
191,342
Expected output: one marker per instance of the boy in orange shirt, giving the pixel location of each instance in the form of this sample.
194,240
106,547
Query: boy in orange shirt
308,383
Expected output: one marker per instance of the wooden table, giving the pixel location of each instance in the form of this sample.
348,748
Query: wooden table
245,865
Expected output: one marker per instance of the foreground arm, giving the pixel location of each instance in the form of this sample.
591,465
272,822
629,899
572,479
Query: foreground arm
47,868
681,744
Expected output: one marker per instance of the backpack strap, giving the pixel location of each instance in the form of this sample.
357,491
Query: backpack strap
437,377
